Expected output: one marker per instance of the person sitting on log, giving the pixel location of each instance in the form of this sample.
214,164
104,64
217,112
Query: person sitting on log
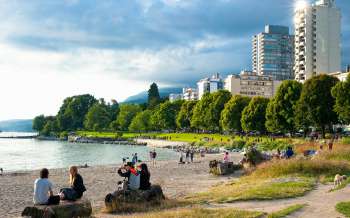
128,171
43,194
144,177
77,186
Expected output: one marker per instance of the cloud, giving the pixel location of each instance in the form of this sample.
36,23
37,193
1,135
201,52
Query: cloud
116,48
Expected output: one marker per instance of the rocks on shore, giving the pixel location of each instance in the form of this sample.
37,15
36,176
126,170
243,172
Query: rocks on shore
66,209
122,201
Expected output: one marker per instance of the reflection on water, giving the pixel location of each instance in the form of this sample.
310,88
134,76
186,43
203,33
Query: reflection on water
29,154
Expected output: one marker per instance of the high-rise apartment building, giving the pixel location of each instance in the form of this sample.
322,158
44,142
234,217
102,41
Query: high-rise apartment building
209,85
273,53
317,39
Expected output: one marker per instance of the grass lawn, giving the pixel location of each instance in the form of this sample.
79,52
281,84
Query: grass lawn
287,211
343,208
97,134
201,213
256,189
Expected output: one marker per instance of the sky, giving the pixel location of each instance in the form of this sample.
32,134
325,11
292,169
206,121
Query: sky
52,49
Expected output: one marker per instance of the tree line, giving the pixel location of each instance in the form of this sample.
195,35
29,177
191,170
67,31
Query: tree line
320,102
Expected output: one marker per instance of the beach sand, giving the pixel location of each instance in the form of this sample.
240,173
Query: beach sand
177,180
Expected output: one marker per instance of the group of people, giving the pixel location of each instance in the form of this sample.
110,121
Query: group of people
43,188
137,177
186,156
286,154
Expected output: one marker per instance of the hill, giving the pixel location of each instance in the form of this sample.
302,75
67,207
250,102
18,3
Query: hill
16,125
142,96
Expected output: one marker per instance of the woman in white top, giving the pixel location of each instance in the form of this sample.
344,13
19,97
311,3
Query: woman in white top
43,194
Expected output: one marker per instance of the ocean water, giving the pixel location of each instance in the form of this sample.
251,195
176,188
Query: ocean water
31,154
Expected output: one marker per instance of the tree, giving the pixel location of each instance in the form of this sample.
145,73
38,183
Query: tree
98,117
183,119
318,102
341,93
39,123
126,114
72,113
113,109
280,110
232,113
153,96
301,117
253,116
220,98
141,122
164,117
51,127
199,118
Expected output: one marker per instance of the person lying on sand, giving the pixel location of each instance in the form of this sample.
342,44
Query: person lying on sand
43,194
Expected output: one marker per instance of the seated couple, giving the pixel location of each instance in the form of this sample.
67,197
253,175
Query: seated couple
43,194
138,178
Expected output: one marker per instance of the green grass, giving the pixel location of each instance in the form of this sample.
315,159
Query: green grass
249,188
343,208
287,211
346,140
97,134
201,213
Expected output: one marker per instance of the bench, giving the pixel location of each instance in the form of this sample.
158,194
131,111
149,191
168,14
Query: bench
66,209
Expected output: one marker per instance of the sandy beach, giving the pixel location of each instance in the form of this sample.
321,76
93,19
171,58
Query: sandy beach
176,179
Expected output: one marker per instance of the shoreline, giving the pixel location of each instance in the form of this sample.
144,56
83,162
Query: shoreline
177,181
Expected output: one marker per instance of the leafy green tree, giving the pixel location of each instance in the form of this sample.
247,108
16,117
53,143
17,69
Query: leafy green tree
98,117
280,110
341,93
113,109
126,114
232,113
219,99
253,116
301,117
200,111
164,116
317,100
141,122
183,119
153,96
51,127
39,123
72,113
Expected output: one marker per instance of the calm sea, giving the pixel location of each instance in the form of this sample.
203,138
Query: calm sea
30,154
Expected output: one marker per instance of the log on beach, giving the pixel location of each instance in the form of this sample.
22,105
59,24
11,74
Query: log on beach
66,209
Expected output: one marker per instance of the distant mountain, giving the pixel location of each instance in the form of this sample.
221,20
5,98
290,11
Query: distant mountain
143,96
16,125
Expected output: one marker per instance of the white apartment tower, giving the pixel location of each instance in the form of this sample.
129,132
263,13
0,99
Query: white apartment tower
317,39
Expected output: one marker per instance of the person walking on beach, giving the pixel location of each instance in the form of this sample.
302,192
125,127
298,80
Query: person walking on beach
188,156
134,159
192,155
1,171
181,157
43,194
154,156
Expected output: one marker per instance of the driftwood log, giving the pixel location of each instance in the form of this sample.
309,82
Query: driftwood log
66,209
120,201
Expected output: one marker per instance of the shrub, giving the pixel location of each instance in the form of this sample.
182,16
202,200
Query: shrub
273,145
